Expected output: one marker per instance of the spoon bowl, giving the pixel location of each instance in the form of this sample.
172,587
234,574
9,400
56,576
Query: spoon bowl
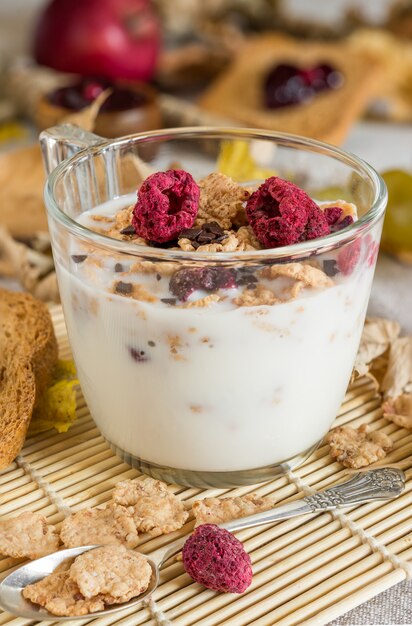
12,599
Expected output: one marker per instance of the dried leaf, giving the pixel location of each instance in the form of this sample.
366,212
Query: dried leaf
398,376
399,410
86,118
378,333
33,269
22,180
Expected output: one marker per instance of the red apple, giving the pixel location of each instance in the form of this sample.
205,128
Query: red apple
105,38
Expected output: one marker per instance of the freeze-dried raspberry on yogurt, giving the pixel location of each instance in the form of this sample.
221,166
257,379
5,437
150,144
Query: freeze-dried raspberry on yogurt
167,203
281,214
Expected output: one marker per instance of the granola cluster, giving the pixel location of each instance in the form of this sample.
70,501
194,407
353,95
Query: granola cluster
27,536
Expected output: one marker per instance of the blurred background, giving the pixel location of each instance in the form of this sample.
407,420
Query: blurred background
337,71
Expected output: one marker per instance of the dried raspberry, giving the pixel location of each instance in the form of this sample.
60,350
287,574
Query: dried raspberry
167,203
371,250
185,281
348,257
281,213
213,557
333,216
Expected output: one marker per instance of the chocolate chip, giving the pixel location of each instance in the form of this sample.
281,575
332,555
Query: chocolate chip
330,268
151,344
190,233
171,301
118,267
138,355
158,277
213,227
210,232
129,230
246,279
124,288
79,258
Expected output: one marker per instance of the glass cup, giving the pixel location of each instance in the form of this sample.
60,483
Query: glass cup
242,380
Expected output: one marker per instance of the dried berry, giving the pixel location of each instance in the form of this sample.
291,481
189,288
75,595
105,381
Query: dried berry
280,214
210,232
287,84
213,557
187,280
167,203
334,218
348,257
118,267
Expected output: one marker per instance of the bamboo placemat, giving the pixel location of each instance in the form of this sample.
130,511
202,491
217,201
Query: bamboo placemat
307,570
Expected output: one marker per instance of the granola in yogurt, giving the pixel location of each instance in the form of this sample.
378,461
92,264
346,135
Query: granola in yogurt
154,508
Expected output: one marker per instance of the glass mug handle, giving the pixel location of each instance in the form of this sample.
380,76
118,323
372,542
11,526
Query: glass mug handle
61,142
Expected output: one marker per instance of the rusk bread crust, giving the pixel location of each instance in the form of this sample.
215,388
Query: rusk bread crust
28,356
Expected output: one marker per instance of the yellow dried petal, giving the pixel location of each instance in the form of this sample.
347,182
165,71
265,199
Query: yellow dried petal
236,161
58,409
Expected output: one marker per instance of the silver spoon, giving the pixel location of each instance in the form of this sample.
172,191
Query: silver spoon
377,484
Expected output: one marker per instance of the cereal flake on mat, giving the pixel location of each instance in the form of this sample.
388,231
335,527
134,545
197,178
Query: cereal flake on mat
111,524
113,573
27,535
221,510
154,508
399,410
357,447
61,596
221,200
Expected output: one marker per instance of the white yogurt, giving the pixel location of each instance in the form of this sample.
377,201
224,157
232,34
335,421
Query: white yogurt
243,387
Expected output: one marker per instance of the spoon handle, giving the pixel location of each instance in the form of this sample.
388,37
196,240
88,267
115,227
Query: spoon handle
377,484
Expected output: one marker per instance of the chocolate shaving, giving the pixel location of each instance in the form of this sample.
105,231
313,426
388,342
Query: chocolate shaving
124,288
210,232
129,230
79,258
